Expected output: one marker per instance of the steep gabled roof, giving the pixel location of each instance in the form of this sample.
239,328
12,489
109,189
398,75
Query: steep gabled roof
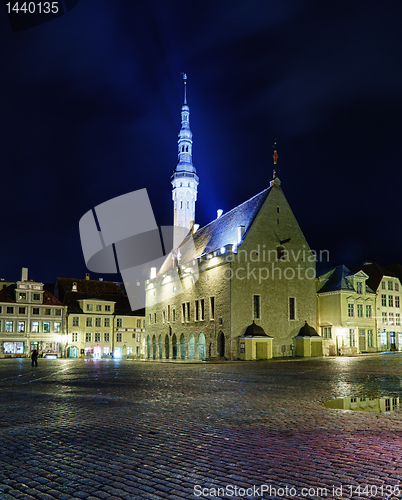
88,287
336,280
375,273
222,231
7,294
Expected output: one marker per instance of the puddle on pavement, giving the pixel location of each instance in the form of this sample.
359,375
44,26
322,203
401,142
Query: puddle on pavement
375,405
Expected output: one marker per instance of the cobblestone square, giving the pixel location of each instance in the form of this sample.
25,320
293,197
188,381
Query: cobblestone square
104,429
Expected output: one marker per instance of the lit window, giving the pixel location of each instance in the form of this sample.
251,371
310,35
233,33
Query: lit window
391,318
352,338
46,327
22,296
21,326
35,327
384,318
9,326
57,327
138,337
326,332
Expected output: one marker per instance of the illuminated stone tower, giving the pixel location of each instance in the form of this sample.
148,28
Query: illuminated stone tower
184,179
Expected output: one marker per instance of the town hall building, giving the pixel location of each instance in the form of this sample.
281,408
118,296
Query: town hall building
249,274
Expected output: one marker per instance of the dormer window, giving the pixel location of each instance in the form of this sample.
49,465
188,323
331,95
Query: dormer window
359,287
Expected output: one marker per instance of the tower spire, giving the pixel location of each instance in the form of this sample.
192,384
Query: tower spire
184,179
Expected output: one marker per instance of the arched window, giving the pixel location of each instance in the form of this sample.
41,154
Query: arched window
181,204
188,204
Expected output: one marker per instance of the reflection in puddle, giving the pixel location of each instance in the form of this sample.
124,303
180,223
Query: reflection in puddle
379,405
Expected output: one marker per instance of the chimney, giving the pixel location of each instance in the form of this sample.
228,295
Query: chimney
24,274
240,233
219,213
87,276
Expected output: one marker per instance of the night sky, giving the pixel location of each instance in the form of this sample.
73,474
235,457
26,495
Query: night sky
91,110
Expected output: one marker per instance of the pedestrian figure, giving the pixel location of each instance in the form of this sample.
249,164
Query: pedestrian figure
34,357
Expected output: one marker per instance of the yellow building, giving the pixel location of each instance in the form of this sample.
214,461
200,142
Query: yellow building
100,323
346,312
386,284
31,318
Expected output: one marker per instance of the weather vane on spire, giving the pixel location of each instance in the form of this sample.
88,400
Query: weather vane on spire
185,82
275,157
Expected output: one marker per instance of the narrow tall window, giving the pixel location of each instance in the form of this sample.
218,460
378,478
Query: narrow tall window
292,308
351,310
202,309
212,307
352,339
188,311
359,310
390,301
183,312
256,307
196,310
359,287
369,311
396,300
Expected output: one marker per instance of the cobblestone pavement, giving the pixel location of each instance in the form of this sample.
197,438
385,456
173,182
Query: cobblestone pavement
104,429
